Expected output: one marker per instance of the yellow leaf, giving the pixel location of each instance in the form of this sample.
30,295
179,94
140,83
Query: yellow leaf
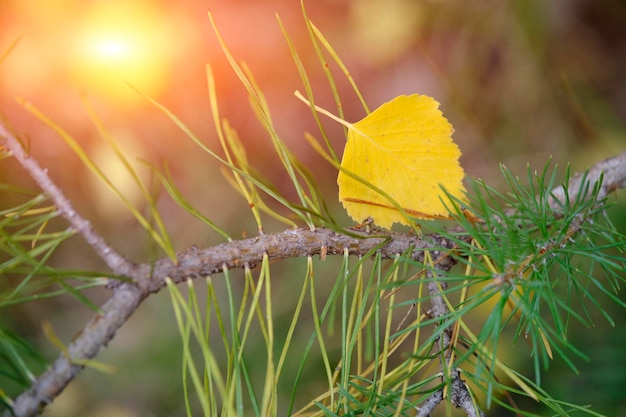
405,149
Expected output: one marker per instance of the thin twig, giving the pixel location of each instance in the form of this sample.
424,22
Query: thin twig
459,392
116,262
429,405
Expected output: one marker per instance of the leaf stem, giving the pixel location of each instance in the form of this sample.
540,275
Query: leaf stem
323,111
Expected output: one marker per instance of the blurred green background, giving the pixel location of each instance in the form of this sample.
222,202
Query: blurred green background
521,82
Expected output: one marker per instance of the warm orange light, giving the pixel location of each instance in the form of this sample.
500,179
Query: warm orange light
122,42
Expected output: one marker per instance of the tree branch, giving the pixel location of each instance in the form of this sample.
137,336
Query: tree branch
203,262
459,393
195,262
612,171
116,262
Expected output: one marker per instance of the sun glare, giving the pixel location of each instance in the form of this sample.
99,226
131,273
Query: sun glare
112,48
119,43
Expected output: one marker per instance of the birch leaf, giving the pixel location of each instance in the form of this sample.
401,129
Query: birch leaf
400,156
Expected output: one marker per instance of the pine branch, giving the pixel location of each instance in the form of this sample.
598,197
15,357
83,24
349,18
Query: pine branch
612,173
146,279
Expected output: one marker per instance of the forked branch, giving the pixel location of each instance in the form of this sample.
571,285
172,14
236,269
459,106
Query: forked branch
194,262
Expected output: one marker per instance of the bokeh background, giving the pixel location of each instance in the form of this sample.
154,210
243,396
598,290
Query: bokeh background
521,81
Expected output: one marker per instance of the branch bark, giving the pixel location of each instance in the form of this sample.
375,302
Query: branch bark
612,171
194,262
